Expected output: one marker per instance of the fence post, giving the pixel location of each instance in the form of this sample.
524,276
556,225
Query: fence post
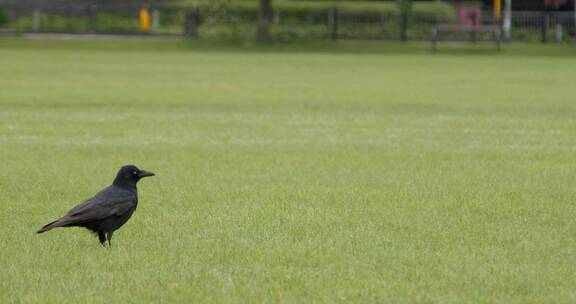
473,34
264,23
155,20
559,31
191,23
333,23
405,10
498,39
92,13
434,38
544,27
507,26
36,20
404,25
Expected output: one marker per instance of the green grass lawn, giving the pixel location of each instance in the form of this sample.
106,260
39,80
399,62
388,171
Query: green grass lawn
291,177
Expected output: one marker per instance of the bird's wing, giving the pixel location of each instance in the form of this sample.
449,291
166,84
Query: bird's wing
104,204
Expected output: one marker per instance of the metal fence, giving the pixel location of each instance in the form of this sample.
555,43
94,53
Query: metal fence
88,19
222,24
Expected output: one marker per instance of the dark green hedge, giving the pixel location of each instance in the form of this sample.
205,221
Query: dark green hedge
4,20
249,8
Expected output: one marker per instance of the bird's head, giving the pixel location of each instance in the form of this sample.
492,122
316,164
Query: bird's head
130,175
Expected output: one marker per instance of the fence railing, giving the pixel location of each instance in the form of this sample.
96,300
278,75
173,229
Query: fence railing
221,23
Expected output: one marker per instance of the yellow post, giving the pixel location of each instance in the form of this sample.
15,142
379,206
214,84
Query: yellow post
497,9
144,20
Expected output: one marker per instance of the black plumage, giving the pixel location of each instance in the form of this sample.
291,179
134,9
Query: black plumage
109,209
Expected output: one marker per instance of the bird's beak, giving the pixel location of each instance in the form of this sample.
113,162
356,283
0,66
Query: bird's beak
144,173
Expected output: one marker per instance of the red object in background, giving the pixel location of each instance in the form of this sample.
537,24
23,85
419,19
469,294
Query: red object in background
470,16
554,3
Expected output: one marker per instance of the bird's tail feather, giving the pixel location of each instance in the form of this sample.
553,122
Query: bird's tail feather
49,226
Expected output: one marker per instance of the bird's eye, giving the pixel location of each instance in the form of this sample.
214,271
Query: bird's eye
135,173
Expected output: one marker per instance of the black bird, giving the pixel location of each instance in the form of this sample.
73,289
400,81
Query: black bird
109,209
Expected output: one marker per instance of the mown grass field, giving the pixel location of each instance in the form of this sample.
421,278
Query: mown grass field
290,177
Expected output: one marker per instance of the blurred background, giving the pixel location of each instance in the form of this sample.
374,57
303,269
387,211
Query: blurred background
293,20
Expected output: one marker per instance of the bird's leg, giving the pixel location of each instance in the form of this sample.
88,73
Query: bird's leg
109,236
102,238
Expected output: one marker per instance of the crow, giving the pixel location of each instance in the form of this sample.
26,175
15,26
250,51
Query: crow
108,210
